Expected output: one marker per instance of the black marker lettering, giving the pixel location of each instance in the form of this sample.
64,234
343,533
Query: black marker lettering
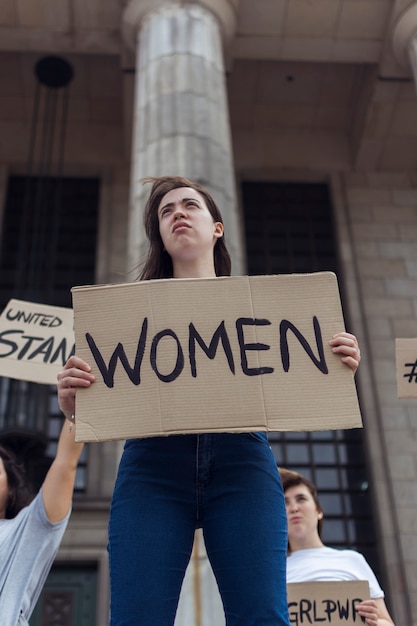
12,344
26,347
45,348
330,607
210,351
316,617
343,610
355,614
119,353
45,320
55,322
18,316
305,609
179,365
29,318
62,350
247,321
320,363
293,615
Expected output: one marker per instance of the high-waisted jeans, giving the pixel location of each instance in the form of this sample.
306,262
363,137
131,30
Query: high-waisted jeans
227,484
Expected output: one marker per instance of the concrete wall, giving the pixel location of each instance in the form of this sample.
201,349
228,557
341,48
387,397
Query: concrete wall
377,217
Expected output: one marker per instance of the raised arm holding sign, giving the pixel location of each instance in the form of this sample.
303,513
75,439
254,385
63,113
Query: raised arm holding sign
31,530
167,486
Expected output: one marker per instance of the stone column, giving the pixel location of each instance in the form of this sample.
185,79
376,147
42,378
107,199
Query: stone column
404,40
412,55
181,127
180,119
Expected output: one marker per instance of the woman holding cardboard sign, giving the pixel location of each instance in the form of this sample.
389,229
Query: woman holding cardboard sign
310,560
226,484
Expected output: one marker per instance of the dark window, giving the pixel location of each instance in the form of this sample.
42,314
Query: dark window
48,245
289,229
68,598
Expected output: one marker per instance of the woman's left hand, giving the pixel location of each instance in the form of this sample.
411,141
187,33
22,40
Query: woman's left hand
347,346
369,611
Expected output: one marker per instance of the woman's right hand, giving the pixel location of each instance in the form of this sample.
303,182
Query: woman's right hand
76,373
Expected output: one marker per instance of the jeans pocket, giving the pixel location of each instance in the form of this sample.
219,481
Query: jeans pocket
260,436
133,443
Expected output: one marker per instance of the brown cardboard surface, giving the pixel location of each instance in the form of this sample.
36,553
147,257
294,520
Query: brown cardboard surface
406,363
35,340
244,387
326,602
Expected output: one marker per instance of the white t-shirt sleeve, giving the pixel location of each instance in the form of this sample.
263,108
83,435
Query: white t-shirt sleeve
28,545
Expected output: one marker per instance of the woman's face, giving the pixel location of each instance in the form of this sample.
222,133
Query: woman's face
4,490
186,225
302,514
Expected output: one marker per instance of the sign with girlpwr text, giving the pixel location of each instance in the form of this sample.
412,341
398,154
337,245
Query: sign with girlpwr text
326,602
234,354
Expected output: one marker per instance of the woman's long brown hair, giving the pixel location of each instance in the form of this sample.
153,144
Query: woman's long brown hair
19,492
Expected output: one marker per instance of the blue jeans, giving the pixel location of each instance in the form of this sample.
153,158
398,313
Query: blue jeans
227,484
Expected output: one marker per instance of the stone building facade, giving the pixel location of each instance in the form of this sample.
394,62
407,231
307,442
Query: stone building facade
230,93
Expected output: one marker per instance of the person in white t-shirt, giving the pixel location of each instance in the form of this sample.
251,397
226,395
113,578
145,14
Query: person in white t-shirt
31,530
310,560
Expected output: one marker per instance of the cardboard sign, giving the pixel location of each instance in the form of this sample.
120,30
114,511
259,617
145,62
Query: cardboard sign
406,358
235,354
326,602
228,354
35,341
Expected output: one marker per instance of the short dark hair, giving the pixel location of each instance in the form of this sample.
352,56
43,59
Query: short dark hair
293,479
19,493
158,263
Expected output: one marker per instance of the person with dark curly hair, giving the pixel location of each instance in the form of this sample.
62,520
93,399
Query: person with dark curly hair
31,529
227,484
